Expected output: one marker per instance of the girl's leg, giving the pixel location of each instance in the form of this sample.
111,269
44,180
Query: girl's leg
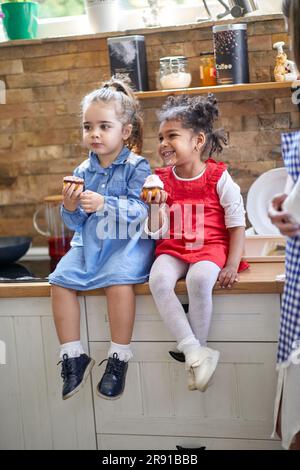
121,313
165,272
200,281
201,364
66,314
76,365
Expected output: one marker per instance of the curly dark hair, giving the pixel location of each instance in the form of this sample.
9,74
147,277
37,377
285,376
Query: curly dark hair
199,114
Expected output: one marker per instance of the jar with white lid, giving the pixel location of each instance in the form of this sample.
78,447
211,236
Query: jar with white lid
174,72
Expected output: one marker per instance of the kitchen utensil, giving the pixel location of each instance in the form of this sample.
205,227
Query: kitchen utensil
260,194
236,8
12,248
242,7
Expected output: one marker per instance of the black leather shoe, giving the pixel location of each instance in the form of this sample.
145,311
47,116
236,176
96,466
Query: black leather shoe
178,356
74,372
112,384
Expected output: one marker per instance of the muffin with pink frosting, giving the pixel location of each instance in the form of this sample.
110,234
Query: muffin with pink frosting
154,184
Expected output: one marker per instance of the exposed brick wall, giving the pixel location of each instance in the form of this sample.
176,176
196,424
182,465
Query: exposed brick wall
40,125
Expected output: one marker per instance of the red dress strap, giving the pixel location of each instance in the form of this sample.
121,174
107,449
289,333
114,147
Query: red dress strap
214,170
163,173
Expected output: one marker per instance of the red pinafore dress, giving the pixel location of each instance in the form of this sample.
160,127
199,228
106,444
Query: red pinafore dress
197,230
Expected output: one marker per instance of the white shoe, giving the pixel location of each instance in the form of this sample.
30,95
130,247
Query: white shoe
201,364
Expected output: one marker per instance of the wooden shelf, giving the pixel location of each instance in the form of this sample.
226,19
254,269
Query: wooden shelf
142,95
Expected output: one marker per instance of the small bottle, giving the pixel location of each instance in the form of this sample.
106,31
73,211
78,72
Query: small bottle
174,72
207,68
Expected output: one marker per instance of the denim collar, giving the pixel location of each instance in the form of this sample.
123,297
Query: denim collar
95,165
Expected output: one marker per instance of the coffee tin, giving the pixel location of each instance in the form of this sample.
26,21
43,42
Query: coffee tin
231,53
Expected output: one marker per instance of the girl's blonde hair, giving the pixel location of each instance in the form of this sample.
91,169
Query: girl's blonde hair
118,90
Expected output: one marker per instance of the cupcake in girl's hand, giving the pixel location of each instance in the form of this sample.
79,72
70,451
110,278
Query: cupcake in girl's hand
73,180
154,184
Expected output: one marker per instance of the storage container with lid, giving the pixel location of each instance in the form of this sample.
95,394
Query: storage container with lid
207,69
174,72
231,53
128,57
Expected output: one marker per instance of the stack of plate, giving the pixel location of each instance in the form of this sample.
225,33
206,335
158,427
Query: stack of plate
265,243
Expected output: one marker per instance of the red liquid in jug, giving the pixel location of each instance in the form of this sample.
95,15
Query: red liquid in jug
58,246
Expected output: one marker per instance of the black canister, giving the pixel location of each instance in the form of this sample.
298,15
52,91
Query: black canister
231,53
128,57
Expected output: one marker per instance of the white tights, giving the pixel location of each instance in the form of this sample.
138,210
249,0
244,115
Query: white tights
200,280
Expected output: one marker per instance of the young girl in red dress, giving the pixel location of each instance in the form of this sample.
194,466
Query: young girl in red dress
199,223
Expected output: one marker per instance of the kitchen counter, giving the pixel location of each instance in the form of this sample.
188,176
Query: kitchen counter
260,278
235,413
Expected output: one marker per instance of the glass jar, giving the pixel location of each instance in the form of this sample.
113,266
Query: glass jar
207,68
174,72
53,227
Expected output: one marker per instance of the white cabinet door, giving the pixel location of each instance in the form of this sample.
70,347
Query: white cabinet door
156,401
243,317
33,414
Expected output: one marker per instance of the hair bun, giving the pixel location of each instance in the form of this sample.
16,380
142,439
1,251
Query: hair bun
120,82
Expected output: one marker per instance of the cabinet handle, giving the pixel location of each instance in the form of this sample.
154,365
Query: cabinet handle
195,449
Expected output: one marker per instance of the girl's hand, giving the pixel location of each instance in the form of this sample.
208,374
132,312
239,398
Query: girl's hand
277,202
227,277
160,197
91,201
282,219
71,197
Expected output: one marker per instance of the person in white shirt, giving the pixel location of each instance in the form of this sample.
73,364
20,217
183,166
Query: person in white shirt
285,214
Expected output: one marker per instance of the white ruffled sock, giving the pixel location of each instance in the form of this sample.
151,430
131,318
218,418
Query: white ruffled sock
72,349
123,350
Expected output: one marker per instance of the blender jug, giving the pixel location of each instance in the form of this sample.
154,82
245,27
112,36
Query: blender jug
59,235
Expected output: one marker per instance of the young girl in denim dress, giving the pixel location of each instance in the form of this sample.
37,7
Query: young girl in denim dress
107,250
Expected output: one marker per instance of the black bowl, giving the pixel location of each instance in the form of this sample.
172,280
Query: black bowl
12,248
13,271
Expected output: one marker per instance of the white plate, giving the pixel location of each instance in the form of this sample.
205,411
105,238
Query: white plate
259,196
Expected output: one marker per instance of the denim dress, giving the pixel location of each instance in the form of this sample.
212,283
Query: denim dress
108,247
